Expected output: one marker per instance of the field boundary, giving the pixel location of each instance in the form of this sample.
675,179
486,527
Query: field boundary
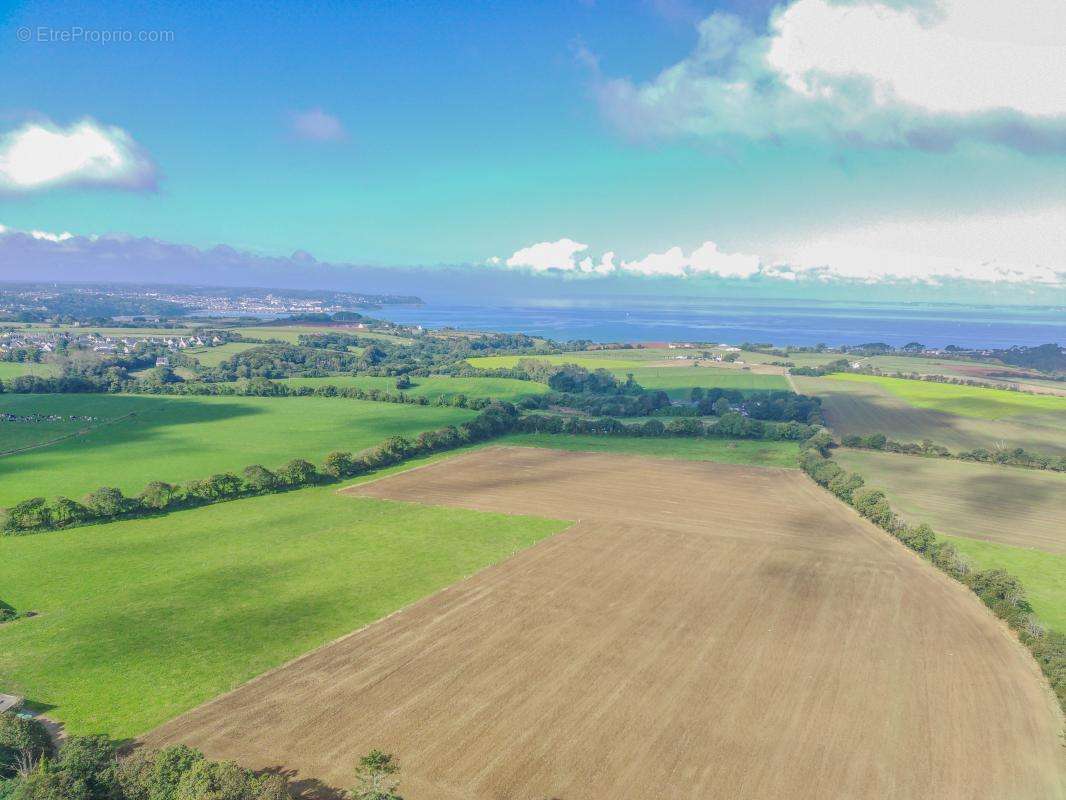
65,437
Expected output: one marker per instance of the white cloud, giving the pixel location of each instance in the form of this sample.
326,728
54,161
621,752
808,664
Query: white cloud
960,57
922,74
1027,246
315,125
543,256
562,256
1020,247
40,156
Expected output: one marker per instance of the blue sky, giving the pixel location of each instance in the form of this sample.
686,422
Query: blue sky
427,133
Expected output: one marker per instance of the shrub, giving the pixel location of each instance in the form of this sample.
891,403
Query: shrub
158,496
106,501
30,515
298,472
338,465
258,478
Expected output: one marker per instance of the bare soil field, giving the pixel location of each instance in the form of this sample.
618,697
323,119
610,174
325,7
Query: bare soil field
862,408
1009,505
702,631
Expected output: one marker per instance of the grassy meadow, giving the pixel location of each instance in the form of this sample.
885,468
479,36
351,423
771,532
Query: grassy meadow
677,380
213,356
143,619
433,386
292,333
966,401
174,438
1042,574
13,369
1010,505
723,451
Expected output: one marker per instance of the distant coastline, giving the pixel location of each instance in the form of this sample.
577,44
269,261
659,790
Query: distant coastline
780,322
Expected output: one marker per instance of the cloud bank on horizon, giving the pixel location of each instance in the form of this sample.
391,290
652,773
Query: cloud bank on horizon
956,71
1021,247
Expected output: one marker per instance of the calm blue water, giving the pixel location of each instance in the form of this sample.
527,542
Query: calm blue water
779,322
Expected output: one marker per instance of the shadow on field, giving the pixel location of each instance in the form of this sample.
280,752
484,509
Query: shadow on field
305,788
136,419
1009,493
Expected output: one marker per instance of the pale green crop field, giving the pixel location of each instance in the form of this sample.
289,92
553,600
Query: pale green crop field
433,386
609,360
174,438
967,401
292,333
677,381
213,356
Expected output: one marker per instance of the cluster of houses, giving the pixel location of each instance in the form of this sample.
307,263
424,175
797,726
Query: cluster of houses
49,341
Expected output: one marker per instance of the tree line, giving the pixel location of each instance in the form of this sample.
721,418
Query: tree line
1002,592
109,503
254,387
1004,456
93,767
732,426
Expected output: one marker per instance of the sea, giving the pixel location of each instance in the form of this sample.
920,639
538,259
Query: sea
776,322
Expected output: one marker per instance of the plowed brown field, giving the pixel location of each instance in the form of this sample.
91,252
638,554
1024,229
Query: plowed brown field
703,631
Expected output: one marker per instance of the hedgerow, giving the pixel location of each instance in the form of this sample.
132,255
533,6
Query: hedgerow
108,503
1002,592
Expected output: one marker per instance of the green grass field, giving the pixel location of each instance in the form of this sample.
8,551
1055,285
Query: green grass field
677,381
102,408
1042,574
724,451
598,359
433,386
1009,505
213,356
292,333
966,401
13,369
141,620
175,438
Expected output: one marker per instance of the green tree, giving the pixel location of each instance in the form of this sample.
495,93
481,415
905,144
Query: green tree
721,407
30,514
24,741
68,512
258,478
298,472
157,496
105,502
375,777
338,464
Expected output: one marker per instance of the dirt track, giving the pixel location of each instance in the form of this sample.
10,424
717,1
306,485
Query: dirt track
703,631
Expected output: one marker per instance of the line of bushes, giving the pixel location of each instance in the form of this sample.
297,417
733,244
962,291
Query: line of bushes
108,503
955,380
253,387
95,767
1002,592
1011,457
731,425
